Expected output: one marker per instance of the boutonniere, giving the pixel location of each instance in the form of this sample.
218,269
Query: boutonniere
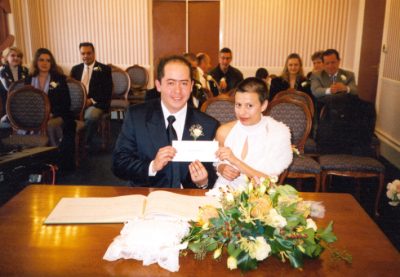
198,86
304,84
53,84
97,68
209,78
343,77
196,131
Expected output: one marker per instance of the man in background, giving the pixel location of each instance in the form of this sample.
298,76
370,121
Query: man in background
332,80
206,80
227,76
97,79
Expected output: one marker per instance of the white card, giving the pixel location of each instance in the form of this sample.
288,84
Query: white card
191,150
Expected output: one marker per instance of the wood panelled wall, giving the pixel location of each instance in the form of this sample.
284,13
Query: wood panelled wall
391,69
265,32
119,29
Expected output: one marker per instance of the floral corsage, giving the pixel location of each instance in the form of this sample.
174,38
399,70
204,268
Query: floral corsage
196,131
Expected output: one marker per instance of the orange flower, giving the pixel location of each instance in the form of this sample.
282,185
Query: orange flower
260,206
206,213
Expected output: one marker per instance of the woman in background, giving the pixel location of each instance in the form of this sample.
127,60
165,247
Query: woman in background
46,76
11,71
253,145
292,77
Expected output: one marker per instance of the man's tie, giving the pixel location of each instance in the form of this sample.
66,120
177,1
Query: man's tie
85,78
333,79
171,133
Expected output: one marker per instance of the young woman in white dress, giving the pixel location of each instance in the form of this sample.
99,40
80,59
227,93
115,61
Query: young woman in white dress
253,145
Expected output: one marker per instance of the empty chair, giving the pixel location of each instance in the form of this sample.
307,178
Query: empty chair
139,79
28,110
296,115
222,108
77,92
121,87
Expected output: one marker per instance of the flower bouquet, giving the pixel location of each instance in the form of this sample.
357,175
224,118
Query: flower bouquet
258,222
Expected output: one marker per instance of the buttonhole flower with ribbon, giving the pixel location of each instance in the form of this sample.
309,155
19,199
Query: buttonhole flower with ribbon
97,68
343,77
196,131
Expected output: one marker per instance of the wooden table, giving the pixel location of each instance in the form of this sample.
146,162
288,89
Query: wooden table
29,248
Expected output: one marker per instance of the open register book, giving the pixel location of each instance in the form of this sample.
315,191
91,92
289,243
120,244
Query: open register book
122,208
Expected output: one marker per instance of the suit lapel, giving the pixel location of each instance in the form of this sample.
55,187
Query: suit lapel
156,126
188,122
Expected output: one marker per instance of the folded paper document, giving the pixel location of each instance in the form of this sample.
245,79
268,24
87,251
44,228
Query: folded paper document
189,151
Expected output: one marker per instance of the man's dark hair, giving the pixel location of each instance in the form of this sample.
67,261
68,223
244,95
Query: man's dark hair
253,84
85,44
262,73
329,52
225,50
172,59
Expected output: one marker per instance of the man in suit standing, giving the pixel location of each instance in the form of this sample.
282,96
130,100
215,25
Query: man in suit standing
206,80
143,153
332,80
227,76
97,79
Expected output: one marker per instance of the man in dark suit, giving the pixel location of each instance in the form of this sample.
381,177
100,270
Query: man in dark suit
97,79
227,76
143,153
332,80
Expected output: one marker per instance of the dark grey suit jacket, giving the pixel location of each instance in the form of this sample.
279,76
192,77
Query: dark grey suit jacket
143,133
321,81
100,87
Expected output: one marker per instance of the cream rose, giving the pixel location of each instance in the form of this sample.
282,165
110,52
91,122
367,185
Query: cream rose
231,262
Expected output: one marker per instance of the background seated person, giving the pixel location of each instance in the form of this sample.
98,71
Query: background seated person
10,72
292,77
253,145
332,80
318,64
227,76
61,125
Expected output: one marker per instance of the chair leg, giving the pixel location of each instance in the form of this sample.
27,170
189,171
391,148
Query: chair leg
299,184
317,182
378,194
323,179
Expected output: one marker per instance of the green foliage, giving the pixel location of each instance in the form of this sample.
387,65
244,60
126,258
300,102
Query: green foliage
261,221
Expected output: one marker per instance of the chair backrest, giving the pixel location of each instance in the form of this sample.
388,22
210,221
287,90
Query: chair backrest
296,115
139,77
121,83
16,85
302,96
77,92
28,109
222,108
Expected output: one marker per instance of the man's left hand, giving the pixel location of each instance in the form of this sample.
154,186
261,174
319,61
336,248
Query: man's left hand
198,173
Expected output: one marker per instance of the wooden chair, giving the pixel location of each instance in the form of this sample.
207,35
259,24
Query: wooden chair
222,108
28,110
121,87
296,115
77,92
355,167
139,79
310,146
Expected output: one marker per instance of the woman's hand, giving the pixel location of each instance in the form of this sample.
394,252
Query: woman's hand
228,172
226,154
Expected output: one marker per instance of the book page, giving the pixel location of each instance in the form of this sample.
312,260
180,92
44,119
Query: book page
97,209
164,203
